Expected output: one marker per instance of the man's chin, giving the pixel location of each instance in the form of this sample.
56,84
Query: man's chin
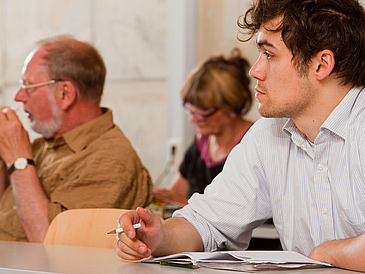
47,130
265,113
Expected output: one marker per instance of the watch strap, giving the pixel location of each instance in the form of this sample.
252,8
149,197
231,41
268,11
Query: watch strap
12,168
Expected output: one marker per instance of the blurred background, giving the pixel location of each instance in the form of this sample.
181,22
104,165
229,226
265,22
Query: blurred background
149,47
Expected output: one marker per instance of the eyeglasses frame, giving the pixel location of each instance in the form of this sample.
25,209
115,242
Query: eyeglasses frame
30,86
200,117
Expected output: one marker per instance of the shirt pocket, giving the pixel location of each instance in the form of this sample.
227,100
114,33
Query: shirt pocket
352,227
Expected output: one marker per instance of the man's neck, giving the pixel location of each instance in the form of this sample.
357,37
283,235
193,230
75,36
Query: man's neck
78,116
310,123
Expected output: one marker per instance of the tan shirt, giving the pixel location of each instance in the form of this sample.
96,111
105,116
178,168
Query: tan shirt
93,165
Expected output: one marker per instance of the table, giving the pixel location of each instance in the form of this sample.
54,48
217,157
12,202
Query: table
20,258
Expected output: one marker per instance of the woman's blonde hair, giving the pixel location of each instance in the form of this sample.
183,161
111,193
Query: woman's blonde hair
221,83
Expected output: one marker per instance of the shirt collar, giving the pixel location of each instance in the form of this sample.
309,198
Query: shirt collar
337,121
78,138
294,133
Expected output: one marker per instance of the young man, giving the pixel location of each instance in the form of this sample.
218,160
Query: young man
303,164
83,159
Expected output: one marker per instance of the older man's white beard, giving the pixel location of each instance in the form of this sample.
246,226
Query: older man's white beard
49,128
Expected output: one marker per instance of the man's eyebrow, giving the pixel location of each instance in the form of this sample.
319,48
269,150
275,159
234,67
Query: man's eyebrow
264,43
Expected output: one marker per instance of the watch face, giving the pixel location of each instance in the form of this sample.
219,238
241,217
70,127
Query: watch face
20,163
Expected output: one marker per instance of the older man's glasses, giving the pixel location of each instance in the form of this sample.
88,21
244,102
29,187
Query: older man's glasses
27,87
202,115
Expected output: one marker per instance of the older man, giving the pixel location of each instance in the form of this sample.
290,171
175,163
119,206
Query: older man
83,159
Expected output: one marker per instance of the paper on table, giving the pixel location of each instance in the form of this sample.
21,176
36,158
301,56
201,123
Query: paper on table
250,261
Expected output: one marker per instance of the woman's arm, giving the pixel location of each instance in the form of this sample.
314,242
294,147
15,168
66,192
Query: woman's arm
177,193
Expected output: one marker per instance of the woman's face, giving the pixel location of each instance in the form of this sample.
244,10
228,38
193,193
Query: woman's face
211,121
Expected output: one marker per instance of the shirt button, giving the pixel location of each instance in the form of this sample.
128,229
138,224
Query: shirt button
324,211
320,167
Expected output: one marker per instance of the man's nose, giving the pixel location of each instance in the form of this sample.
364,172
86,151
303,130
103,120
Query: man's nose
20,95
256,71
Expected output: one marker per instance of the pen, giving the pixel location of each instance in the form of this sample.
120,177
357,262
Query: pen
184,265
120,230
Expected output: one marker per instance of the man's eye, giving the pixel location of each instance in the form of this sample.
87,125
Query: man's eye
268,55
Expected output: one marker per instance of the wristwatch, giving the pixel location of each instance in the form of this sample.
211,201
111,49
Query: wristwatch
20,164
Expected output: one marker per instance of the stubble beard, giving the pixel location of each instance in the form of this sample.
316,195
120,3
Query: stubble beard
288,109
49,128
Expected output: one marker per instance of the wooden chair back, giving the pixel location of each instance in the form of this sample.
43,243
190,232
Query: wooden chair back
84,227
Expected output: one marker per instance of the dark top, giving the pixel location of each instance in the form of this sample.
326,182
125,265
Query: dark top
196,171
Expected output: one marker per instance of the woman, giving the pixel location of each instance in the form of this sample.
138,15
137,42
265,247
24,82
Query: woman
216,96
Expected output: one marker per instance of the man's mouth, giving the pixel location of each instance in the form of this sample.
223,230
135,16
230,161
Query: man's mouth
29,115
259,91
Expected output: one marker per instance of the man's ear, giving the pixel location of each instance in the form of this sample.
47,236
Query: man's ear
66,94
324,63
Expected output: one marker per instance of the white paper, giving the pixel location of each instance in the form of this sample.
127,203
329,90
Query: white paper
249,261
